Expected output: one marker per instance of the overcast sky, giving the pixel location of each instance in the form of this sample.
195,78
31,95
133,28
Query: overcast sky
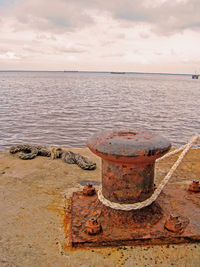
100,35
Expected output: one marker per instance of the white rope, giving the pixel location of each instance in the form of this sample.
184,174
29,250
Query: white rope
171,153
174,152
149,201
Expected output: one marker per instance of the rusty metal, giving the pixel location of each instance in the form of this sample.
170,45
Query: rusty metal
89,190
194,186
128,159
154,186
92,227
145,226
174,224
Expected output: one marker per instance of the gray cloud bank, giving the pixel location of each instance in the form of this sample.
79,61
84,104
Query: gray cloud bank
119,35
163,16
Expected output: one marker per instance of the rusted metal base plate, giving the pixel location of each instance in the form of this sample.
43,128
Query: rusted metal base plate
145,226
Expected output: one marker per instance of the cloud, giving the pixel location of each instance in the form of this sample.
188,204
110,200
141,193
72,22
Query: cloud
55,16
127,35
120,36
9,55
144,35
71,50
164,16
111,54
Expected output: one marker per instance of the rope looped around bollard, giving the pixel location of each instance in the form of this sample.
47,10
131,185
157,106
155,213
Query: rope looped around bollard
154,196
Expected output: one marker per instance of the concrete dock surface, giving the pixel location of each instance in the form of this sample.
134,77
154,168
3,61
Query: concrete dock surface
34,197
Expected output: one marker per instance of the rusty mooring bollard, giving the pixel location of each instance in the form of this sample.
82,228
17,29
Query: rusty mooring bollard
128,159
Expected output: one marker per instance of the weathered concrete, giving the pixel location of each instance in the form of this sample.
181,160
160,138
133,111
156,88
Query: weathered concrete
33,198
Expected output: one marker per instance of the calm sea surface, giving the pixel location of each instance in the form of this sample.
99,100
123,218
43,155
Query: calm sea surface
64,109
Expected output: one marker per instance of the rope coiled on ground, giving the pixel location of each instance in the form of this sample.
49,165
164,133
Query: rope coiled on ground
27,152
75,158
154,196
30,151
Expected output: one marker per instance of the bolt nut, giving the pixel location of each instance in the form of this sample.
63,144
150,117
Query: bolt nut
88,190
173,224
93,227
194,186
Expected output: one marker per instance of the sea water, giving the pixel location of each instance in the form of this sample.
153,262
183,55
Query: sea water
65,108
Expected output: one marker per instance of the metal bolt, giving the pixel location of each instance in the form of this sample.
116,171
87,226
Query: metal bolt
93,227
194,186
88,190
173,224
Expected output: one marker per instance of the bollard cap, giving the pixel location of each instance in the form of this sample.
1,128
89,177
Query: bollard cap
128,145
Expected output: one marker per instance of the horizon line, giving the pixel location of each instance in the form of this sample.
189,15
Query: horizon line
86,71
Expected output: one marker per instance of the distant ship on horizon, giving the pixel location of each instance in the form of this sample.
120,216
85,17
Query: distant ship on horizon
118,72
70,70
